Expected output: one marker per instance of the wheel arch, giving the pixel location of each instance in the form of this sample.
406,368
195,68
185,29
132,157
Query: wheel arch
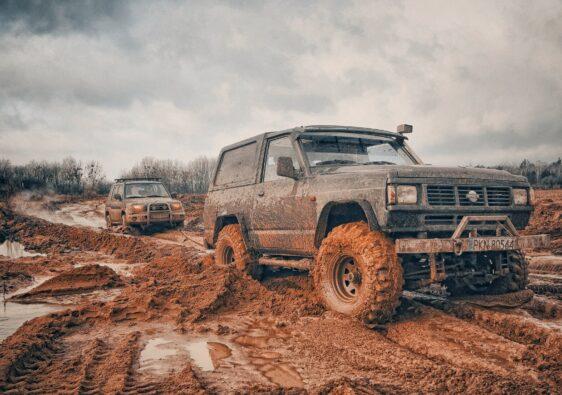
229,219
337,213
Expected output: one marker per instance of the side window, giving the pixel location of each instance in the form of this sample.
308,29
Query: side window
275,149
117,190
237,165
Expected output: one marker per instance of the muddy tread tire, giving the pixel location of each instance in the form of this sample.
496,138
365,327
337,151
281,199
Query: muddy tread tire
516,280
231,236
382,274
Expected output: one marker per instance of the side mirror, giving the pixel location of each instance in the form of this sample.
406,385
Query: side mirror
118,196
285,167
174,195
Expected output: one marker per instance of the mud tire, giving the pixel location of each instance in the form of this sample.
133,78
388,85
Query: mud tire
231,239
381,273
516,280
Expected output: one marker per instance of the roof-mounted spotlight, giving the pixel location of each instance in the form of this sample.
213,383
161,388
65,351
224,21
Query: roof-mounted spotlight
404,128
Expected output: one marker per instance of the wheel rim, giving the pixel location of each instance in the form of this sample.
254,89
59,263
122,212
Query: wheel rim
228,255
346,279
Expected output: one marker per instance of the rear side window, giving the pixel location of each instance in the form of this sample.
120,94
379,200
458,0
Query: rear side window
237,166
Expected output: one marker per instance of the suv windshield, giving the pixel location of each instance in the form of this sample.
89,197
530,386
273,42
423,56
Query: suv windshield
348,149
145,189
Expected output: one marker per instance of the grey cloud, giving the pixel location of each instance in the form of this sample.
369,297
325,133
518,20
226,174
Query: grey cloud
176,79
59,16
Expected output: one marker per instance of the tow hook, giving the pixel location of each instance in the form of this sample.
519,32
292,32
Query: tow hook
457,247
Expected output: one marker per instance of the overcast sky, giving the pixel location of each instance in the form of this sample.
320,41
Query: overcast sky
115,81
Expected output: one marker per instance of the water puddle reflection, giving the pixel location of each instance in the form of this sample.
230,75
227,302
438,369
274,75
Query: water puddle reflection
13,249
162,355
13,315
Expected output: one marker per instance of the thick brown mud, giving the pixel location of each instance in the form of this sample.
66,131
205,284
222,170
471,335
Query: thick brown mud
167,319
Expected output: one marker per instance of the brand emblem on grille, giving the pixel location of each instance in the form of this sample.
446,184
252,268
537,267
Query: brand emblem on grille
472,196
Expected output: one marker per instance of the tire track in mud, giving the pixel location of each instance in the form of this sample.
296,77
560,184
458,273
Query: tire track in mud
359,353
447,339
542,341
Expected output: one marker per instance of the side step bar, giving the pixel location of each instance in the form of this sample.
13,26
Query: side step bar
302,264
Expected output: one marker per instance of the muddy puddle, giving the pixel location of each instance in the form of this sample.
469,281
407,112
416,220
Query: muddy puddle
13,249
13,315
165,354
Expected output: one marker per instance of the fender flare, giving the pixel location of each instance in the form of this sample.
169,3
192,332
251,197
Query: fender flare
219,224
322,223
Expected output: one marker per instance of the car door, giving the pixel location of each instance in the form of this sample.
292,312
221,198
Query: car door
115,205
284,216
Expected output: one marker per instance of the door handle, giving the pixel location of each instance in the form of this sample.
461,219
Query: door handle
261,193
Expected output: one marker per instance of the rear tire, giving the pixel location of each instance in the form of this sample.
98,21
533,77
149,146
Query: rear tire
231,251
357,273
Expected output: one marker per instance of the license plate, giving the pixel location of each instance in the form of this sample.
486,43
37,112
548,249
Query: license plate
491,244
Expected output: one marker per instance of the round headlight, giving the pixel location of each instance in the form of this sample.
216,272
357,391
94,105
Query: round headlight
138,208
176,206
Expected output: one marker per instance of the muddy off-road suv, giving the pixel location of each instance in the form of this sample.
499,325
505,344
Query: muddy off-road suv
140,203
360,210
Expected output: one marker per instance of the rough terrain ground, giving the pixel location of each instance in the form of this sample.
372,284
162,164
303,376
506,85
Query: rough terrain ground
153,314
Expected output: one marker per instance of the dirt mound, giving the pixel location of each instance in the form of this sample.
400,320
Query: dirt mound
187,291
35,345
547,217
76,280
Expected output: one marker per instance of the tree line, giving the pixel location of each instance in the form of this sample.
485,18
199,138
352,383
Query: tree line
72,177
540,174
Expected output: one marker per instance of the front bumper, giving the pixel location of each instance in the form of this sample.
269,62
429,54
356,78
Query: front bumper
471,244
507,239
147,218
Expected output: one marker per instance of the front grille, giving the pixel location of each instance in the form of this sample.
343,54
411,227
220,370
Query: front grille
465,192
468,195
441,195
159,207
499,196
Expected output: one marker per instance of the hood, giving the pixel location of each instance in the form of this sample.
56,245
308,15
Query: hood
150,200
425,171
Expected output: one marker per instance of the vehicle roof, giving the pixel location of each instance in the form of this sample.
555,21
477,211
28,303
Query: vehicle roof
318,128
139,179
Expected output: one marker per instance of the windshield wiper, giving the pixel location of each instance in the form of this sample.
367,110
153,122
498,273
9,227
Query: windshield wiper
154,196
379,162
336,162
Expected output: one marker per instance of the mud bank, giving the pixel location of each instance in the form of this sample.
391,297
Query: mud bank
179,323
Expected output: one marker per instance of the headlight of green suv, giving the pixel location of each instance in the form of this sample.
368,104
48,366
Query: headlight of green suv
402,194
176,206
520,197
137,208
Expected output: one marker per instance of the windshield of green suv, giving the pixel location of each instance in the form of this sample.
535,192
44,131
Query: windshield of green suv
349,149
145,189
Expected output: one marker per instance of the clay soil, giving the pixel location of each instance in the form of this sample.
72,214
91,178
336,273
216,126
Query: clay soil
155,314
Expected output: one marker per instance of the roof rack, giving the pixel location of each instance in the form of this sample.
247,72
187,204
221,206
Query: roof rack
138,179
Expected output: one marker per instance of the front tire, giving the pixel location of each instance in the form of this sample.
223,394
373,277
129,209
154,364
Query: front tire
231,251
516,280
357,273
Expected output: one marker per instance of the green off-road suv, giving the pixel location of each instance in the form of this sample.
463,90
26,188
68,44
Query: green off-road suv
360,210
